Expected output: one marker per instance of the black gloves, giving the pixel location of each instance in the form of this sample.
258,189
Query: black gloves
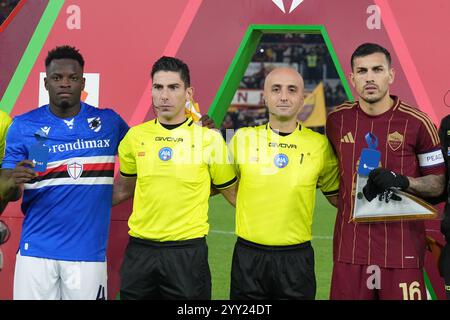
381,181
385,179
370,190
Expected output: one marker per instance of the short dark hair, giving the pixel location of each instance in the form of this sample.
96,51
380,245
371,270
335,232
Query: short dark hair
64,52
368,48
173,64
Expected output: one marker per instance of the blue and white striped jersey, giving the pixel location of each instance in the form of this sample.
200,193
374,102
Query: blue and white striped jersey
67,208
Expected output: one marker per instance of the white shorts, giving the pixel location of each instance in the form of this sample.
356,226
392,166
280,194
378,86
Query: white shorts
47,279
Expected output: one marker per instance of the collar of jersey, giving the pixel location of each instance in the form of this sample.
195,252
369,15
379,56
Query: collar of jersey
394,106
188,122
272,131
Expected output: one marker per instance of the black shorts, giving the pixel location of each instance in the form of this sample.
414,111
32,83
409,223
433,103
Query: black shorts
272,272
165,270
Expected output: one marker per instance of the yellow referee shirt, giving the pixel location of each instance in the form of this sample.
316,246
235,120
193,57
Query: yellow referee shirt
5,122
278,176
174,171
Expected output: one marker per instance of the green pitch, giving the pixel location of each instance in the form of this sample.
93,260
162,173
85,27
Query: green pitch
221,240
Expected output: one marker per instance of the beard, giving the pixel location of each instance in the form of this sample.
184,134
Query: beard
374,99
64,104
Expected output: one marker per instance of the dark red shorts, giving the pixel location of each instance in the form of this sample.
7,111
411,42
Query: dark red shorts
362,282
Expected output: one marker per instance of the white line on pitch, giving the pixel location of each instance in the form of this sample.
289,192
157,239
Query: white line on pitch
232,233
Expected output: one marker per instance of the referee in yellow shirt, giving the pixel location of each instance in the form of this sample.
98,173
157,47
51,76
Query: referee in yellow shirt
5,122
280,165
169,164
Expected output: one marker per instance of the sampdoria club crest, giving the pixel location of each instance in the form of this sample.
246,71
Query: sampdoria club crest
75,170
95,124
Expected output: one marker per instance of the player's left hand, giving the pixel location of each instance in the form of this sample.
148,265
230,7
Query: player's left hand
213,191
388,195
371,191
384,179
206,121
4,232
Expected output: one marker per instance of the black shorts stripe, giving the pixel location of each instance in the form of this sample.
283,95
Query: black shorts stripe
85,174
97,173
224,185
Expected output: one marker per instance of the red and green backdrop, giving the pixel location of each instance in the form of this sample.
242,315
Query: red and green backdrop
120,41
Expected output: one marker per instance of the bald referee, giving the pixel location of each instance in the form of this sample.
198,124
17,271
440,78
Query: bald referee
169,164
280,165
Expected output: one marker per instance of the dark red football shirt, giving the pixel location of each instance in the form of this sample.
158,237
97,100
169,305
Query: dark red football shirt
409,144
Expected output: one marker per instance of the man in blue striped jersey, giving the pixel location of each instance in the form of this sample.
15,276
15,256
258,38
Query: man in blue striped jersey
62,156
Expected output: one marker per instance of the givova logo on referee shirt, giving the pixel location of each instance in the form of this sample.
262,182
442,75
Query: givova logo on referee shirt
282,145
172,139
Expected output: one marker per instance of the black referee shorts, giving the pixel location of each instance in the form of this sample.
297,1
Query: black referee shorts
165,270
272,272
444,268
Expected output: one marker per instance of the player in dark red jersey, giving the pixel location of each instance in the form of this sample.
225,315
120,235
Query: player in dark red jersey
444,261
381,260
